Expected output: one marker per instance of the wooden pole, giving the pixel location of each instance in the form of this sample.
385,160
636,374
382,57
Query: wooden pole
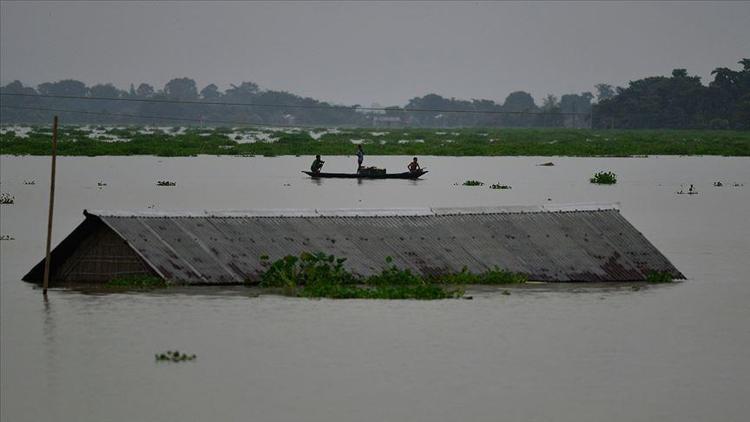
51,206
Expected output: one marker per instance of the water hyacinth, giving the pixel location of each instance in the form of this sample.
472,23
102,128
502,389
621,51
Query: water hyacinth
189,141
316,275
174,356
7,199
604,178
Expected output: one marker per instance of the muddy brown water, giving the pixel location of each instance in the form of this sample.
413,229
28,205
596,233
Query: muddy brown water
675,352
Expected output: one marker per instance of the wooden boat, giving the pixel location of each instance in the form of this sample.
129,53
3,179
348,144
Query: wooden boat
404,175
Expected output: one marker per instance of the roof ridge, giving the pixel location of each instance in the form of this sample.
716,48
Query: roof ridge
357,212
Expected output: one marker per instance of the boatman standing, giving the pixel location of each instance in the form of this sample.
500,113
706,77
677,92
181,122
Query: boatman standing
360,157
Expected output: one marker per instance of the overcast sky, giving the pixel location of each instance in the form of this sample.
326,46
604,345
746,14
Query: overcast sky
360,53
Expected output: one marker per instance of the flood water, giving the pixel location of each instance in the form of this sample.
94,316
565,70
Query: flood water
675,352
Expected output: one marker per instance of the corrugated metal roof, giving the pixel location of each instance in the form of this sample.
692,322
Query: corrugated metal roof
562,243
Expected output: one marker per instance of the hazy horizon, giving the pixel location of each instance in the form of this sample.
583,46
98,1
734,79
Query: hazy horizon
360,53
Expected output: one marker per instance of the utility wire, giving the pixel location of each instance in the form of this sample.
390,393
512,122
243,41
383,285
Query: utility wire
302,106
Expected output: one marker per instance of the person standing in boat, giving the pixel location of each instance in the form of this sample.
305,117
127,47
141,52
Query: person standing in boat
414,166
360,157
317,165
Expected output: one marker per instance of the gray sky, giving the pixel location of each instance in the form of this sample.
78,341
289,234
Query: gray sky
371,52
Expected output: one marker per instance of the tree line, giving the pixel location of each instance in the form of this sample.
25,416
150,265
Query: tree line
678,101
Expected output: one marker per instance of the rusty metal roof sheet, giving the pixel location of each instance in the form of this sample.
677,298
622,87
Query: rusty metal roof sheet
547,243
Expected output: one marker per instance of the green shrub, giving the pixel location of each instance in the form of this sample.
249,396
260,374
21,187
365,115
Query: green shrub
493,276
309,270
500,276
321,275
604,178
659,277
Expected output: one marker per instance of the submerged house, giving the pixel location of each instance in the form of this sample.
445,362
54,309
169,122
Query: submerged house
591,243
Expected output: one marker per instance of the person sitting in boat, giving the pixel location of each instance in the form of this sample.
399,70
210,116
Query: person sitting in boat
414,166
360,157
317,165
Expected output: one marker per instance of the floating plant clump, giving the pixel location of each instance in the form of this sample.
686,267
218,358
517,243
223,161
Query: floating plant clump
7,199
320,275
29,182
174,356
6,237
473,183
604,178
499,186
165,183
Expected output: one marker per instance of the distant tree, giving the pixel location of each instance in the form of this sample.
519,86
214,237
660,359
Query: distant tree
550,103
181,89
679,73
210,92
131,91
550,109
104,90
604,92
28,99
144,91
440,118
520,103
245,90
68,87
576,109
679,101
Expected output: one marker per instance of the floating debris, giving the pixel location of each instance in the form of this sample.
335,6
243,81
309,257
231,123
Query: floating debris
6,237
499,186
604,178
101,184
7,199
29,182
691,191
165,183
473,183
174,356
547,164
506,293
719,184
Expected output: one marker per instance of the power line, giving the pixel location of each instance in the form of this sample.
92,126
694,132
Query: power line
142,116
297,106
